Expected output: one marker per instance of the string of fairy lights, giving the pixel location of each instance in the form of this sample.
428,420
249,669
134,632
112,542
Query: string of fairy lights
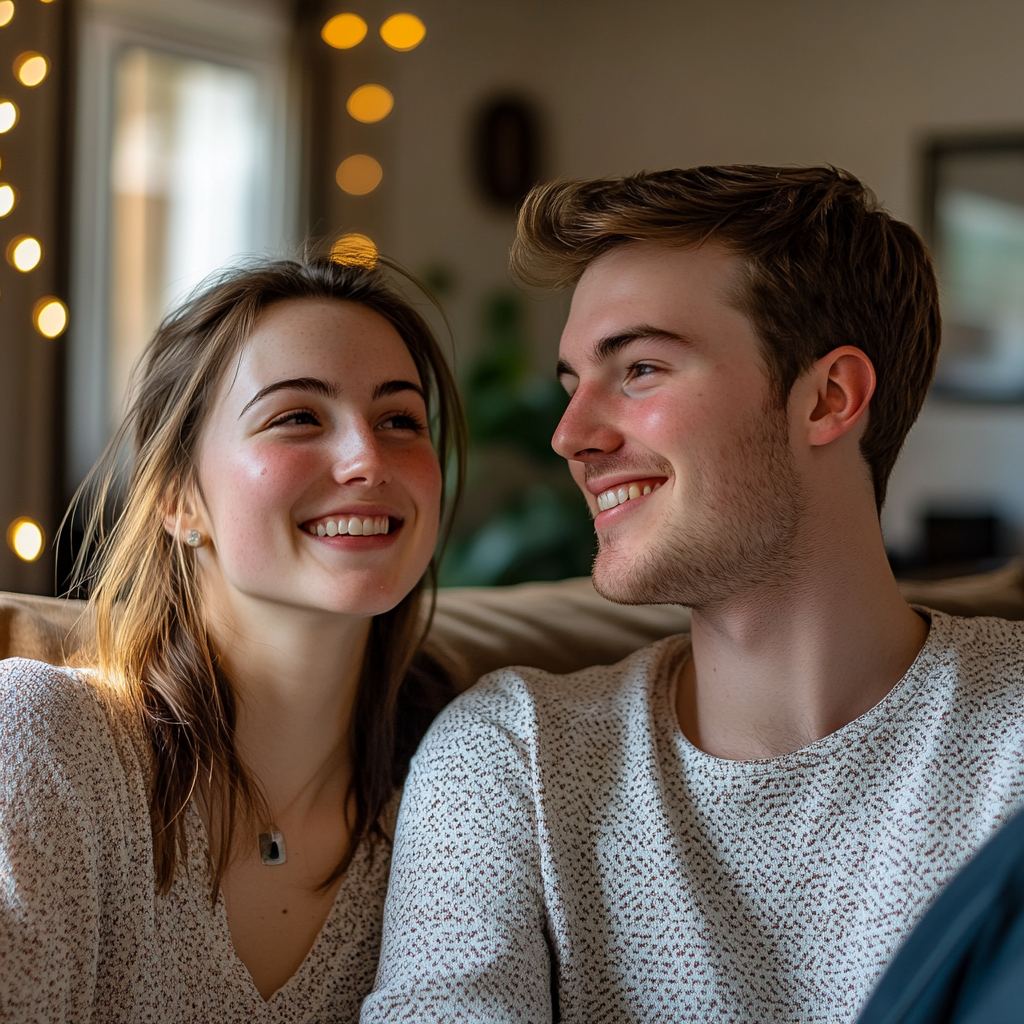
25,252
360,173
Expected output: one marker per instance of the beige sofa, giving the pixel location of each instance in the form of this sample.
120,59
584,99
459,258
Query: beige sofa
557,626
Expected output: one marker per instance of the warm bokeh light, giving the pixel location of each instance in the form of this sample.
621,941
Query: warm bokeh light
354,250
8,115
403,31
6,12
344,31
359,174
25,537
30,68
24,253
7,200
370,103
50,317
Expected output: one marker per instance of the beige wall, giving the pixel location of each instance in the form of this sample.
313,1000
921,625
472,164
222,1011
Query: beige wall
650,84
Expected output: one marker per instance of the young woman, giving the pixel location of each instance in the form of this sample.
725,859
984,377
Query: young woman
197,827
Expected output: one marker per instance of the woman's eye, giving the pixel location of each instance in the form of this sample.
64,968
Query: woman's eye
401,421
299,418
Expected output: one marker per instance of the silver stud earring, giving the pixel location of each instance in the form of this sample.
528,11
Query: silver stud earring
192,538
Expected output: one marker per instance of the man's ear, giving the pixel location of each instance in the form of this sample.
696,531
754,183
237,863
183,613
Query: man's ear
839,389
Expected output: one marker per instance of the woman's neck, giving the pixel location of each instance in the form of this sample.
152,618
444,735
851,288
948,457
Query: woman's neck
296,676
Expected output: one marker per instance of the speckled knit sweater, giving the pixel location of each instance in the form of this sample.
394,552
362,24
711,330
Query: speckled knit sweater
83,934
563,852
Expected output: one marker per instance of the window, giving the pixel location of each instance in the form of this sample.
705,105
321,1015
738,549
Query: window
184,163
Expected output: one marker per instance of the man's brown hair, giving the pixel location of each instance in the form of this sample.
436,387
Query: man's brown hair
825,267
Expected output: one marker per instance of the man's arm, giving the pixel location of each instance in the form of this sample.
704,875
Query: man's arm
465,921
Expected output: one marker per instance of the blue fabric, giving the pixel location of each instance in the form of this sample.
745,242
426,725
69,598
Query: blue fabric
964,962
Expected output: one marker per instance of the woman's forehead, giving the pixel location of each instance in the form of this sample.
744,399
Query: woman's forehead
339,340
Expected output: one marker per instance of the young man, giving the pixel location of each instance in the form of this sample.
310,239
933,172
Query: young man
740,825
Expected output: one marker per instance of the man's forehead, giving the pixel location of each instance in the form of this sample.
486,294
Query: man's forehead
650,284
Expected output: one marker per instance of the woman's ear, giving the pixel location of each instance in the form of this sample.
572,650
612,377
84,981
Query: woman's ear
182,518
842,384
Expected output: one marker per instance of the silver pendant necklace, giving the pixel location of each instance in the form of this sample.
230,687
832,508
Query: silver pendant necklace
271,841
272,851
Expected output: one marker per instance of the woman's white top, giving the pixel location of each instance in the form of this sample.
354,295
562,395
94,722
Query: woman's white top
564,852
84,936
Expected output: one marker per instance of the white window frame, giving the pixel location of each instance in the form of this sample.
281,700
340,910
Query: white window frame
248,35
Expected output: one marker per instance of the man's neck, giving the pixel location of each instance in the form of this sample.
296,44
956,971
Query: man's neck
779,668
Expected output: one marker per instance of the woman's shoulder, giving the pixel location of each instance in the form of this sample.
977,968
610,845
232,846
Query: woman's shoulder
36,689
56,714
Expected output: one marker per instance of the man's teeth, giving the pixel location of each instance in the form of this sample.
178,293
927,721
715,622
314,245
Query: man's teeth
353,527
623,494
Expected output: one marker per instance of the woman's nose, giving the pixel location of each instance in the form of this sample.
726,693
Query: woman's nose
358,457
587,427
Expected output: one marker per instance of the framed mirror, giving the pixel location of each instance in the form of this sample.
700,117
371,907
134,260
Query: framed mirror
974,216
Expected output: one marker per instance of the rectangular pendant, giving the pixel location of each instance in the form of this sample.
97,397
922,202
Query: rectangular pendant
272,848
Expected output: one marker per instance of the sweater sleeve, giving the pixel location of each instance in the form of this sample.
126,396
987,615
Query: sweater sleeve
465,931
49,880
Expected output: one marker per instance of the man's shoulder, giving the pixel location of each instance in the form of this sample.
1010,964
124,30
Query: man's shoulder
981,650
970,674
521,698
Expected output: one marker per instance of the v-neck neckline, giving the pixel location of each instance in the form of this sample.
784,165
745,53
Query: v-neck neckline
283,998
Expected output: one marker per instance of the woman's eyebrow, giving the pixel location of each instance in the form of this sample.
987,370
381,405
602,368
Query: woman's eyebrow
394,387
313,384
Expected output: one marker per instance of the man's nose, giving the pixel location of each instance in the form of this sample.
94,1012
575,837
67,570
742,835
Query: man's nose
587,427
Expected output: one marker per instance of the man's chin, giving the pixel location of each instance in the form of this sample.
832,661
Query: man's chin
623,582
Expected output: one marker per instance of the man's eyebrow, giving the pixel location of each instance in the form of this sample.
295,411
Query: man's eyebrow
313,384
607,347
394,387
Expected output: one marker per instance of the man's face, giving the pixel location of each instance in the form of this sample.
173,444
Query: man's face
672,431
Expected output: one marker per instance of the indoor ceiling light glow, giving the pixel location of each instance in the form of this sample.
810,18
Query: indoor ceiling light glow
25,537
354,250
8,115
370,103
344,31
403,31
24,253
358,174
30,68
7,200
6,12
50,317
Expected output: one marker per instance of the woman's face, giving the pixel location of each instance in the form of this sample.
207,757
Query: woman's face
320,486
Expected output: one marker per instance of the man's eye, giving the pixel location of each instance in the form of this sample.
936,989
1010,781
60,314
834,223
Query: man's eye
640,370
401,422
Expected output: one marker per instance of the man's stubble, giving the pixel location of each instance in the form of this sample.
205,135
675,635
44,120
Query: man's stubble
737,533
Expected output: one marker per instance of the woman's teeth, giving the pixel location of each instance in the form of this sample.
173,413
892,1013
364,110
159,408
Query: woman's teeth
623,494
353,527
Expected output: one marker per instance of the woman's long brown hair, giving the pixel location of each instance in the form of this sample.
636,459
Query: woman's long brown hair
152,649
